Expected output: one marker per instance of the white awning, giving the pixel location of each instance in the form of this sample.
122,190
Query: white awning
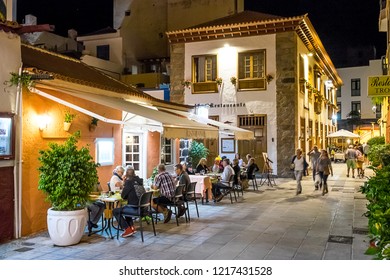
239,133
174,126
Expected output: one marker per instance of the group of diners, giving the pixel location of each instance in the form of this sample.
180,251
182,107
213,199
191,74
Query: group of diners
131,187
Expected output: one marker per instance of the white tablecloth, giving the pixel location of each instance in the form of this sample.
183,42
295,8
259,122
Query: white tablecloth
203,183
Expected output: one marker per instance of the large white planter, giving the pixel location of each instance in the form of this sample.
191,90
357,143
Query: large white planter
66,227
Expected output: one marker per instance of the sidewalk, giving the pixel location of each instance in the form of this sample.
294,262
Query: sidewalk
272,223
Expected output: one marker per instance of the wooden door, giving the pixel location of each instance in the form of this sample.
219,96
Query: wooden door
6,203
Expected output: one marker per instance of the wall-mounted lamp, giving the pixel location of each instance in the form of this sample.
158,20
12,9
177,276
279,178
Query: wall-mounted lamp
43,121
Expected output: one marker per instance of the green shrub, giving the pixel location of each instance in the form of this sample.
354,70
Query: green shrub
379,155
378,140
196,152
67,174
377,191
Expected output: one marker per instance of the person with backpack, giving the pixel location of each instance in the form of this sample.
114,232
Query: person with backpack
299,165
132,191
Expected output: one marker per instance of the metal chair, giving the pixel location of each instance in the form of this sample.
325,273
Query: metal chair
190,195
177,201
144,210
229,188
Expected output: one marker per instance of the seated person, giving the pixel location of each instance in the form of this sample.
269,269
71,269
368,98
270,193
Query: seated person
215,168
182,179
251,169
166,184
187,168
116,181
224,182
237,171
132,191
240,160
202,166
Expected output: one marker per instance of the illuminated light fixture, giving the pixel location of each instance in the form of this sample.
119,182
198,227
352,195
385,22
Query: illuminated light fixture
43,121
226,45
310,54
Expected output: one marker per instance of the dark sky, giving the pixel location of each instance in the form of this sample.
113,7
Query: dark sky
339,23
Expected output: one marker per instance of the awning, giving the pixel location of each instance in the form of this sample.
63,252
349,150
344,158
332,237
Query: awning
342,133
239,133
174,126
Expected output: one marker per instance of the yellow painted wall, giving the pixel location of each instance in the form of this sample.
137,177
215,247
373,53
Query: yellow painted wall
34,207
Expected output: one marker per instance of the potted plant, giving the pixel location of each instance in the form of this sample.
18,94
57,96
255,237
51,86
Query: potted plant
67,175
68,120
93,124
186,83
196,152
233,80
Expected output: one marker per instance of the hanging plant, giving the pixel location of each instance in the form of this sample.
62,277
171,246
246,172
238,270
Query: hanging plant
233,80
218,81
269,78
93,124
186,83
24,80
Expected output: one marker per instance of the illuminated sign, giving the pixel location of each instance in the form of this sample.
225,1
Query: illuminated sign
379,86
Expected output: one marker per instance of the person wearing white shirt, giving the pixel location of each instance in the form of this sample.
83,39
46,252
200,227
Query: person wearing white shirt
116,182
228,171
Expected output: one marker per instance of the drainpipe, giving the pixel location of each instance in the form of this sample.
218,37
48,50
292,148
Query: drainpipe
18,158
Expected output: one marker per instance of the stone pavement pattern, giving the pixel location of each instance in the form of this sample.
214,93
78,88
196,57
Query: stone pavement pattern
272,223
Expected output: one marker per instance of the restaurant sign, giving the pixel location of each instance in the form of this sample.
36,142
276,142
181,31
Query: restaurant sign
379,86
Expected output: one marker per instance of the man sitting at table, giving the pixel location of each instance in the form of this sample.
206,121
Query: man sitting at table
132,191
166,184
224,182
116,181
182,179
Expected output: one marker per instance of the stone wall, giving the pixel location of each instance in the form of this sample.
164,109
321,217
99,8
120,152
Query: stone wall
286,99
177,73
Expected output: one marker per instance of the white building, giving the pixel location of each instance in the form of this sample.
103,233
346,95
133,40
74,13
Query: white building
352,97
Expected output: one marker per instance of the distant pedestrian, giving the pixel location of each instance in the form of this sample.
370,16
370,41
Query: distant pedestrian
350,155
324,168
314,155
366,149
300,164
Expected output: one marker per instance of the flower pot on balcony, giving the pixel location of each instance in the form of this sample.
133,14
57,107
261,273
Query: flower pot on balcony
67,126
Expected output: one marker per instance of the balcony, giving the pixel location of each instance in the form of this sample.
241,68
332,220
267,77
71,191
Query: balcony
146,80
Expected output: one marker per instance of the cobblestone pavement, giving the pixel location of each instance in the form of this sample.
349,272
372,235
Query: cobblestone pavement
271,223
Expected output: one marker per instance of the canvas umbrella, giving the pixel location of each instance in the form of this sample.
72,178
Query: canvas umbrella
342,133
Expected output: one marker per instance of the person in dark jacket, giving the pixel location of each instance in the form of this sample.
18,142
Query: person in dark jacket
251,168
132,191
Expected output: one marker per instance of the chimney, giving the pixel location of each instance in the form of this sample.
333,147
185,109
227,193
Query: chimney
72,34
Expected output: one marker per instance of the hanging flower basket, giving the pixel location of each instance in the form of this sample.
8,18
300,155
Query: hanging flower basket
186,83
233,80
218,81
269,78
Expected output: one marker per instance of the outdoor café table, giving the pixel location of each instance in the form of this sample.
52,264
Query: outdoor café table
111,203
203,184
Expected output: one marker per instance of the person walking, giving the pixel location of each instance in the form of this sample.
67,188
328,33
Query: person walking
300,165
314,155
324,168
350,155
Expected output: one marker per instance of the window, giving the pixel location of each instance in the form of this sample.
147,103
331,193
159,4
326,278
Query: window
355,87
338,91
133,151
166,151
6,136
355,106
105,151
103,52
251,70
204,73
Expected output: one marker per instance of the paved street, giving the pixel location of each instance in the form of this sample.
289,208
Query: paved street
272,223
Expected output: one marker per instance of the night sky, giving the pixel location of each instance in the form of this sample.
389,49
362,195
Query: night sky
339,23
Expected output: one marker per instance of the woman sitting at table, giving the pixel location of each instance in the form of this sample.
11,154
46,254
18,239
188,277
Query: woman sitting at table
202,166
132,191
186,168
237,171
251,168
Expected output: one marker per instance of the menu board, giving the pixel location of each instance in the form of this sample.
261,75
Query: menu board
6,137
